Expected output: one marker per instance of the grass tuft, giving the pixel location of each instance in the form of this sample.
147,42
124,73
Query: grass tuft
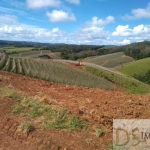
60,119
10,93
26,127
54,116
99,132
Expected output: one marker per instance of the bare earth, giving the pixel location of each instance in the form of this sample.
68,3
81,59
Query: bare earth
97,106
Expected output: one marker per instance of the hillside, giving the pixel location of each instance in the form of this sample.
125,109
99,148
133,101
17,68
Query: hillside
61,72
137,50
137,67
53,71
23,118
110,60
55,104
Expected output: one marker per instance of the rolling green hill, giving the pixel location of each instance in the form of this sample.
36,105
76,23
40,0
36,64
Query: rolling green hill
137,67
130,84
110,60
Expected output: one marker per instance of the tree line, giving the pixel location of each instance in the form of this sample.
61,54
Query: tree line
143,77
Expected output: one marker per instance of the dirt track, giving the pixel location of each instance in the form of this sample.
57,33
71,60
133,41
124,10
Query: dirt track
98,106
91,65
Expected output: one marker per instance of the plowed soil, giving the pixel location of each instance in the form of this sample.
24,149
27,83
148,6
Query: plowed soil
97,106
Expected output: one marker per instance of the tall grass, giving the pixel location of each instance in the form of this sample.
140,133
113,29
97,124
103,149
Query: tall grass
141,66
132,85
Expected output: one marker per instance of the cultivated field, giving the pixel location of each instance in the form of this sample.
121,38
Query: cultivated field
60,72
139,67
110,60
12,49
32,54
35,54
53,71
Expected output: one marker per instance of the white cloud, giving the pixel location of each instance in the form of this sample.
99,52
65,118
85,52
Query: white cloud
27,32
76,2
60,16
135,34
93,31
35,4
139,13
100,22
122,30
138,28
140,31
11,29
125,42
8,19
118,42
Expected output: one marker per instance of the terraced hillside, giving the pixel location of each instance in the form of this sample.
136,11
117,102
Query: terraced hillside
110,60
53,71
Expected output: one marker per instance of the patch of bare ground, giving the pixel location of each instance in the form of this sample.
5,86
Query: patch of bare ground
97,106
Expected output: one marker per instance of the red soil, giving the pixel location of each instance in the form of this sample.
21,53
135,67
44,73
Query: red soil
98,106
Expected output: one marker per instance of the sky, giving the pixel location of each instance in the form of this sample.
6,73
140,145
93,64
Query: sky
90,22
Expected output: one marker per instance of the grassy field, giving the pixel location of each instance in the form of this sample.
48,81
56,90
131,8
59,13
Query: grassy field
110,60
35,54
12,49
130,84
139,67
53,71
56,55
31,54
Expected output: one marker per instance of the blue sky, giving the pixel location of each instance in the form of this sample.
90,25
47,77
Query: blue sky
99,22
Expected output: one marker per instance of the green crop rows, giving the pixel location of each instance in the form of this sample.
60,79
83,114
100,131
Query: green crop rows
110,60
31,54
12,49
53,71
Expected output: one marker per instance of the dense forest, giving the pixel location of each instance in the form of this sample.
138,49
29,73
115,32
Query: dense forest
138,50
